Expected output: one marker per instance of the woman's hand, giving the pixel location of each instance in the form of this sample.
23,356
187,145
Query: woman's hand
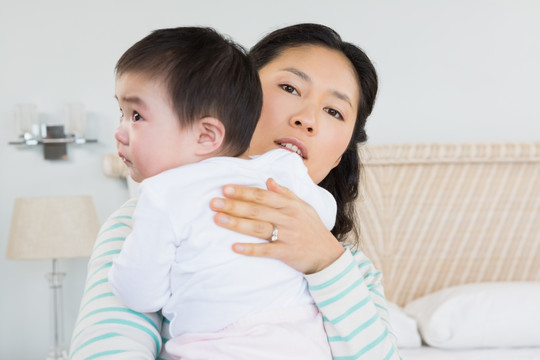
303,242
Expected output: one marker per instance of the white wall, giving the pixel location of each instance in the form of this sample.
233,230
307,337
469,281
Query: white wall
451,71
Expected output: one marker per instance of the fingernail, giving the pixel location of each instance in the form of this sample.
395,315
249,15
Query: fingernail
222,219
239,248
228,190
218,203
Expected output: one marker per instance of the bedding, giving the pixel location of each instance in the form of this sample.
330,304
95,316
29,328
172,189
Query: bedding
431,353
435,218
481,315
404,326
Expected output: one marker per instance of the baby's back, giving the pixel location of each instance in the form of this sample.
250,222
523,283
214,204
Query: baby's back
211,286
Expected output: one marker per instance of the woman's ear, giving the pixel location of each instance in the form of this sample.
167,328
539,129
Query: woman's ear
211,133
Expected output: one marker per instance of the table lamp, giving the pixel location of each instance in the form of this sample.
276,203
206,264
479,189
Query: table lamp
53,228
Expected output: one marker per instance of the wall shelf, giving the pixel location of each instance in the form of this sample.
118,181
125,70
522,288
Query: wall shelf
54,142
66,140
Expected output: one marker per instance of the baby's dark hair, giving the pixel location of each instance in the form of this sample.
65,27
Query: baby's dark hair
342,181
205,74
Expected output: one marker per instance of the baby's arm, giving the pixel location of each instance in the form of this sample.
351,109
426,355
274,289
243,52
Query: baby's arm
105,327
139,275
350,296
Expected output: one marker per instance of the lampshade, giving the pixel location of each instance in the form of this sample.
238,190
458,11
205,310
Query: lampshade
52,228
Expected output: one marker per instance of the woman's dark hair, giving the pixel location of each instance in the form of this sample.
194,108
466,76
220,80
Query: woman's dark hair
205,74
342,181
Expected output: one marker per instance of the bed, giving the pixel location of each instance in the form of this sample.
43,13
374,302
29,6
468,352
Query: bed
455,229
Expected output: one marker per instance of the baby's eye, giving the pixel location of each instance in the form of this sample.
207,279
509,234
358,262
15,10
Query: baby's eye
334,113
288,88
136,116
121,114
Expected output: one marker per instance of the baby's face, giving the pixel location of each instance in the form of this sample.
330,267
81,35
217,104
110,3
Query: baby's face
149,137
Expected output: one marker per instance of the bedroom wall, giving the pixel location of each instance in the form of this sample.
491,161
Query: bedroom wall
450,71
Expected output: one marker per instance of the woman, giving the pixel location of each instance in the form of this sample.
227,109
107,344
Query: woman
318,92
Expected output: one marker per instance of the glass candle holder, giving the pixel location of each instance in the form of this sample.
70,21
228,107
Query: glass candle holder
75,119
26,119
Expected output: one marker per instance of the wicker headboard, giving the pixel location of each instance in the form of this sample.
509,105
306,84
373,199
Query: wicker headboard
434,216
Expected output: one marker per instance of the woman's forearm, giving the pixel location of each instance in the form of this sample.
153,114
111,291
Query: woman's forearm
350,297
105,326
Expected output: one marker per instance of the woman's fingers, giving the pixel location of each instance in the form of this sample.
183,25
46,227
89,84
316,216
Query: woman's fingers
257,228
303,241
258,250
272,185
233,210
255,212
243,202
273,198
298,255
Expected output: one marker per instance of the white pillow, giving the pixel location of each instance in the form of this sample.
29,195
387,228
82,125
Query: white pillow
404,327
498,314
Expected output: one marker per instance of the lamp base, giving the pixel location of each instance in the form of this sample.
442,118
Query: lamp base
57,354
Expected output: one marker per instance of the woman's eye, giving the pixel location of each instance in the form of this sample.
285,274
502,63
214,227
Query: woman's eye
136,116
334,113
289,89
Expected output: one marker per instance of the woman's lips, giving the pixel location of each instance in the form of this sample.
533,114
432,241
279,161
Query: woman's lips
293,145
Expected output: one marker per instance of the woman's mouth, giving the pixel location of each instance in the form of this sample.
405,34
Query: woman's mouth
294,147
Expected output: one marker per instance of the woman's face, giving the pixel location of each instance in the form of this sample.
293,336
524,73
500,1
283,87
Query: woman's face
310,101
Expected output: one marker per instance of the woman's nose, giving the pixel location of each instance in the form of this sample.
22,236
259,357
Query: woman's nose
306,120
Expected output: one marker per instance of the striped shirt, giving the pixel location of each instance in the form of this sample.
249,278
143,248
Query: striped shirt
348,293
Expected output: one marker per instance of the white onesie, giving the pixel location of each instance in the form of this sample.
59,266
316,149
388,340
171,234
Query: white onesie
178,260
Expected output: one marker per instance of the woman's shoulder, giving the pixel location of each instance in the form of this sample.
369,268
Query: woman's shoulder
122,215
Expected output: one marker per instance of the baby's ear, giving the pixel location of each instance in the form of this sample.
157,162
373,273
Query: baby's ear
211,133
